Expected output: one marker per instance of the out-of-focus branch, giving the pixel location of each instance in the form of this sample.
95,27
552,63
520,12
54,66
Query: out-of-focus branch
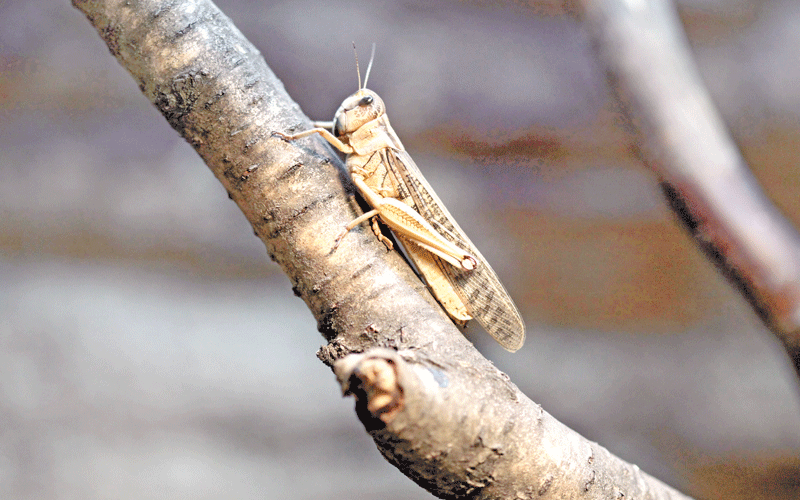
436,408
649,64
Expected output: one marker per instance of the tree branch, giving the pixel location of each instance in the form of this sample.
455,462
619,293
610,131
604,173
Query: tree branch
436,408
465,431
649,65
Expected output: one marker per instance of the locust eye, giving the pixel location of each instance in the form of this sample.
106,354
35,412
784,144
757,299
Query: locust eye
366,100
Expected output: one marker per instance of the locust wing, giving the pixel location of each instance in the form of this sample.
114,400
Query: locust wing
480,289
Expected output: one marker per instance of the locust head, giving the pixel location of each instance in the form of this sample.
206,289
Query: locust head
360,108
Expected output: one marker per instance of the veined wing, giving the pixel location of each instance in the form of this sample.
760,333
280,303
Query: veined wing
480,289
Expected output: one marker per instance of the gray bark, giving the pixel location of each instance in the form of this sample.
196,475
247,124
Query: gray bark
437,409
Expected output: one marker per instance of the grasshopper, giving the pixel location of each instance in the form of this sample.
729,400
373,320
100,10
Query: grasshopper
392,184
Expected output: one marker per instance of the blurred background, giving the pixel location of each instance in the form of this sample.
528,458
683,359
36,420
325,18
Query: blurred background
149,349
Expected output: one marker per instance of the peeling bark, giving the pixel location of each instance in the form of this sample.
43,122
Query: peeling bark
437,409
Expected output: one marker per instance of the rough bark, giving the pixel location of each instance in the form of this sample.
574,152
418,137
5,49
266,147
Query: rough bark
461,428
647,58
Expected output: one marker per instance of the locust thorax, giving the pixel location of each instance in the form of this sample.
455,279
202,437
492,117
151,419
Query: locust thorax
358,109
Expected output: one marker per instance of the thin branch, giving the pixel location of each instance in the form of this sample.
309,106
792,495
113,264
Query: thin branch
462,428
650,67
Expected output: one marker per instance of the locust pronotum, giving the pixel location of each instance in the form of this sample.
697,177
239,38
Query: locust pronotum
389,180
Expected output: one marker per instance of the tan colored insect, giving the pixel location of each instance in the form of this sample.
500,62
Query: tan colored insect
386,176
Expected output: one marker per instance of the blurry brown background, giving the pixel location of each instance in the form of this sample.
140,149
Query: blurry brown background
149,349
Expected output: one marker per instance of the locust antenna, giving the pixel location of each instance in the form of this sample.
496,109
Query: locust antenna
358,70
369,66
